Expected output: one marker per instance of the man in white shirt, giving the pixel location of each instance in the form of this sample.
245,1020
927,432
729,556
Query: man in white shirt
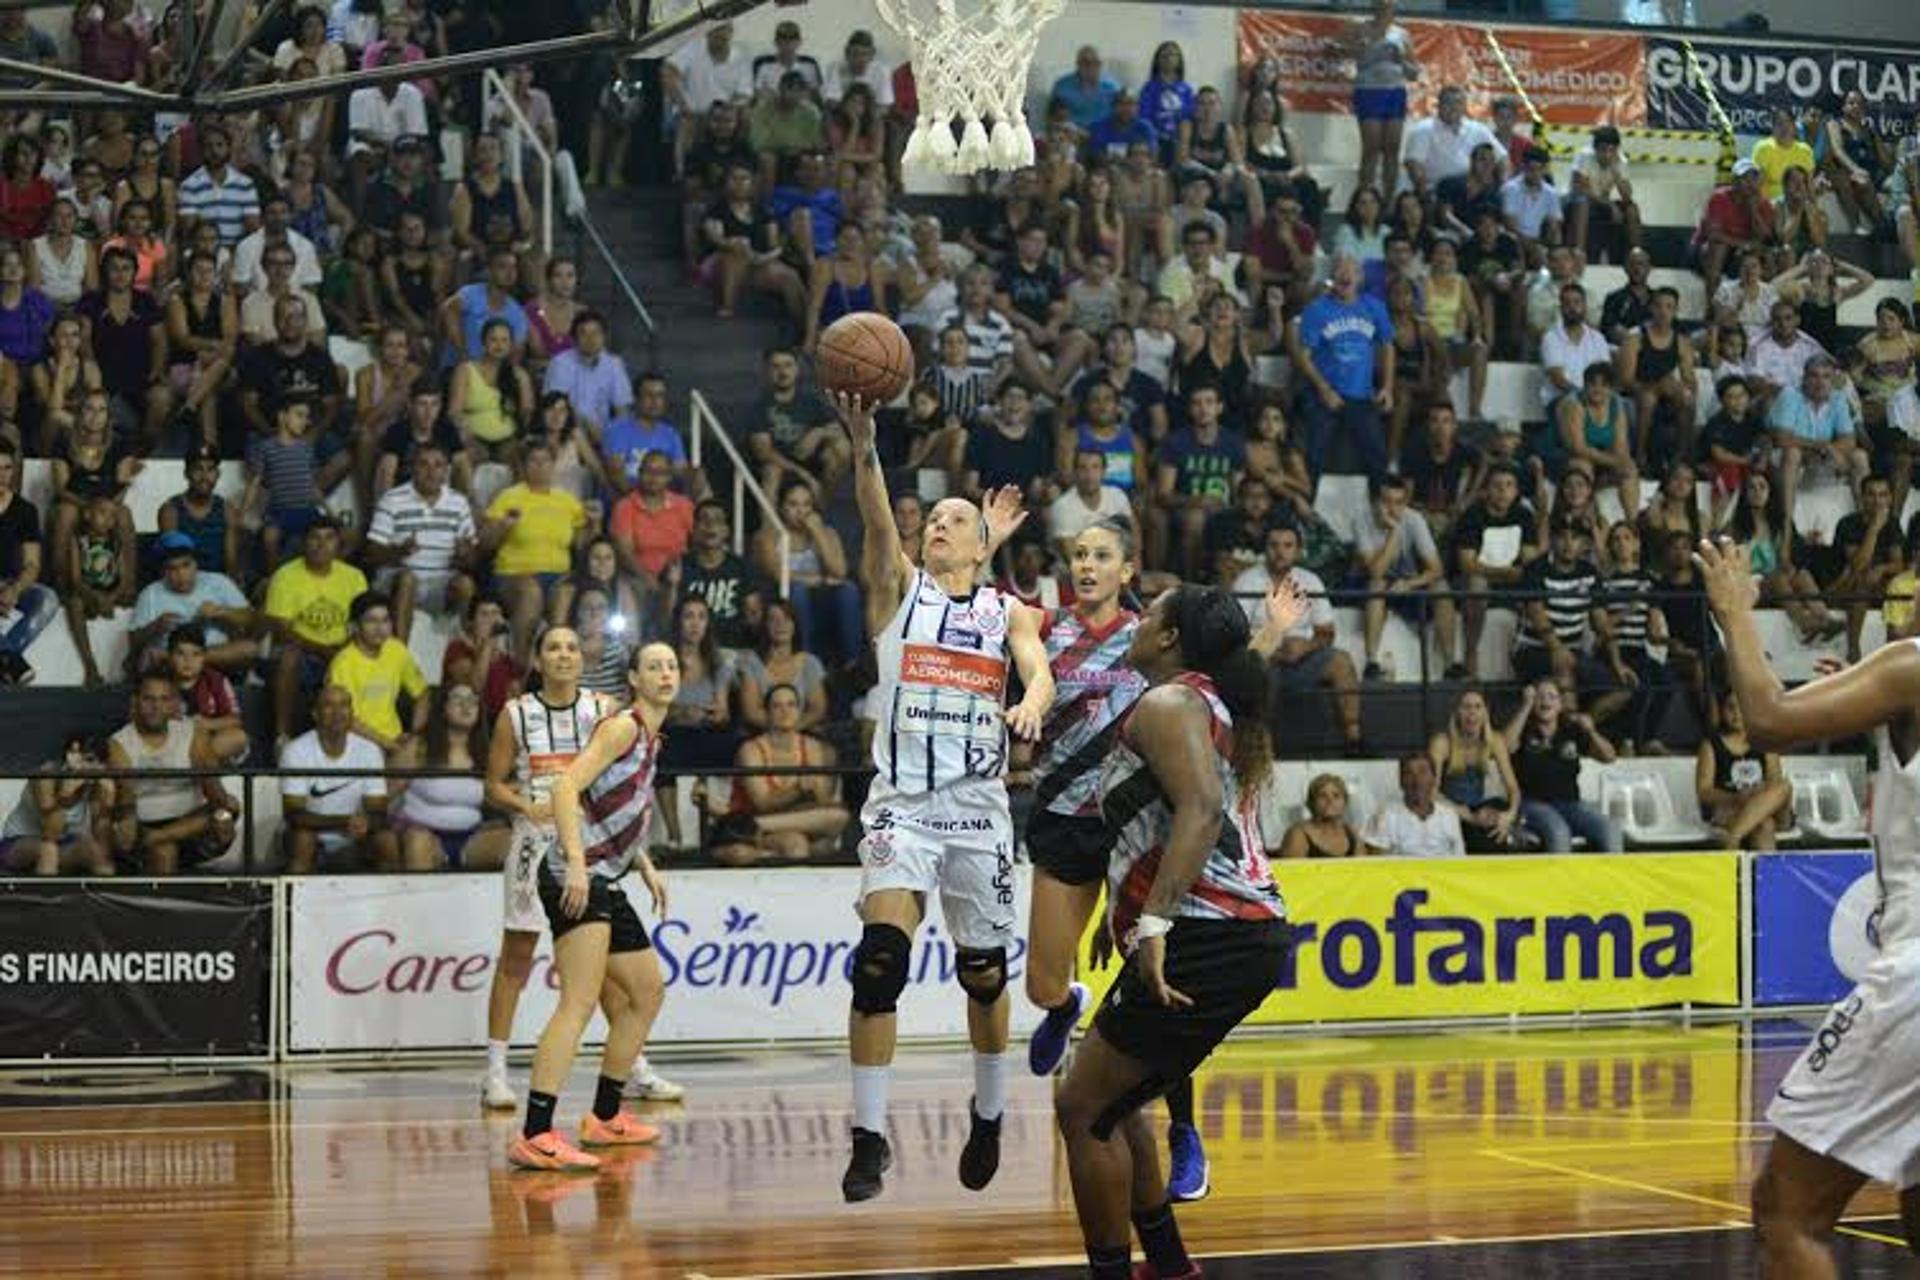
1529,203
1601,214
1180,279
276,227
1090,500
1394,549
1307,658
380,115
421,535
859,66
1569,348
769,69
335,815
260,309
1778,358
705,70
1416,825
1442,147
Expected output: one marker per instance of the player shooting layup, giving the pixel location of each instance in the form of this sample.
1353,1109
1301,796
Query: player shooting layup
936,819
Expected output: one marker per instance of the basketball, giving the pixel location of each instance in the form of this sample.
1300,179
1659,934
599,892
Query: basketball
865,355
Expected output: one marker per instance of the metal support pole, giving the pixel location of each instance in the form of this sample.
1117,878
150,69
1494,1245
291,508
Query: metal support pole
248,861
113,88
202,38
239,51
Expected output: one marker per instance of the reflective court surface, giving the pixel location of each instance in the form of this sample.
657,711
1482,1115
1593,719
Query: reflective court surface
1620,1151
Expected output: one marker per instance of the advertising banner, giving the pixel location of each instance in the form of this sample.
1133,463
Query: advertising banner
1750,79
1573,77
405,962
140,969
1460,937
1812,925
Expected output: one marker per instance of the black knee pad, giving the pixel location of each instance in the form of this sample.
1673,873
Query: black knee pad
880,968
982,971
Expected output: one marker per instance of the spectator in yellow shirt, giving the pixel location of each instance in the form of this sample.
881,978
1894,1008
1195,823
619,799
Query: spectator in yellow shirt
377,670
1781,152
308,603
532,530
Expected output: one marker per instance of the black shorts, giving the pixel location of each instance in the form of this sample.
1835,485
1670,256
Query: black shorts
606,904
1071,850
1227,967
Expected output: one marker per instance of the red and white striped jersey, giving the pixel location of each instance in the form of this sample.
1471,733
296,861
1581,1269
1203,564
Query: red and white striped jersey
1234,884
617,808
1093,687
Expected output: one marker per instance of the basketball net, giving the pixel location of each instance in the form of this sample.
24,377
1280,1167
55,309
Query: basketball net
970,69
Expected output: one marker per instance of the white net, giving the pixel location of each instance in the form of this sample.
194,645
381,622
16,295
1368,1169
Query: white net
971,71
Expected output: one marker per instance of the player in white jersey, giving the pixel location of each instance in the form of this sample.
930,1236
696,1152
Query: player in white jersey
1191,902
936,819
537,735
1849,1110
602,809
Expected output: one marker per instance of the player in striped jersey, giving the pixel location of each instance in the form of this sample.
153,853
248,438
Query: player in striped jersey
1191,903
936,819
602,808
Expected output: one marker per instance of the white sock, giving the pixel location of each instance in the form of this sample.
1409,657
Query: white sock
870,1097
639,1067
989,1084
497,1058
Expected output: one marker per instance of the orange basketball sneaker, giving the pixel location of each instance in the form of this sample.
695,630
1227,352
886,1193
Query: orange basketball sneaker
624,1130
551,1152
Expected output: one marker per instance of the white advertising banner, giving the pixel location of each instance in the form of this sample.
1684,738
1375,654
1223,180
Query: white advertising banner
405,962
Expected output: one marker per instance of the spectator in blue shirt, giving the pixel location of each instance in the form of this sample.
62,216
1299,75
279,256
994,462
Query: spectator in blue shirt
1166,98
1087,94
1111,137
465,315
645,428
1813,424
809,210
594,380
1342,344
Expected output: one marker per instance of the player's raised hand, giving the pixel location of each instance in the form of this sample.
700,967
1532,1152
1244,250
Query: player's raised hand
1006,510
858,416
1024,721
1726,573
1287,606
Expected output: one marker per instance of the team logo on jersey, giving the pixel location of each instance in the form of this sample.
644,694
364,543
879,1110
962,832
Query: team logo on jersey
992,624
876,849
955,635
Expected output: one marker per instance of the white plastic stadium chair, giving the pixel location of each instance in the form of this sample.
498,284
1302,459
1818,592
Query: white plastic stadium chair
1823,800
1637,798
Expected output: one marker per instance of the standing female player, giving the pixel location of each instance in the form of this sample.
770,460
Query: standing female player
602,807
1192,904
1849,1109
537,736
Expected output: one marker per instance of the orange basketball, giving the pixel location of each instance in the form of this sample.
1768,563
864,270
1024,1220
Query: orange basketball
865,355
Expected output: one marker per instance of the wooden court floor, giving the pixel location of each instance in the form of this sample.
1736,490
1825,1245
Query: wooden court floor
1623,1151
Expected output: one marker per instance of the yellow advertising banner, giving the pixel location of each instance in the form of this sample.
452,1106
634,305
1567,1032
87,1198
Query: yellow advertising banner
1462,937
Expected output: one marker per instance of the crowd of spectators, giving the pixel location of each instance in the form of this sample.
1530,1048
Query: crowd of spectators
1097,336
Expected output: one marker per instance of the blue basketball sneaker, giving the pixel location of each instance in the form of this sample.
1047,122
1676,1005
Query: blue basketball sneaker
1055,1032
1187,1179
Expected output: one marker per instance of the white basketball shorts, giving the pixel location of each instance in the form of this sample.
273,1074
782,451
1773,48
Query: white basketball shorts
521,877
1854,1095
956,842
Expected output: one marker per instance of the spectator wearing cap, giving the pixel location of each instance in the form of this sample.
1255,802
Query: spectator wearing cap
1813,423
127,333
784,124
1110,138
1528,202
200,514
422,541
379,116
27,605
707,69
1441,147
405,185
217,192
1737,218
1601,214
594,380
185,594
275,231
770,70
1087,91
858,65
306,613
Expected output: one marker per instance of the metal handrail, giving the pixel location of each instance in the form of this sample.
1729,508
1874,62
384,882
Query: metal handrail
624,285
701,420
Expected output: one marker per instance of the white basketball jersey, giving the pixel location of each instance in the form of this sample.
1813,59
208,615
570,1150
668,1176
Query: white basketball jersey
1895,826
547,738
942,691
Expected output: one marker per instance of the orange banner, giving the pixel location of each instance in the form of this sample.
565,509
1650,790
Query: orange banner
1573,77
